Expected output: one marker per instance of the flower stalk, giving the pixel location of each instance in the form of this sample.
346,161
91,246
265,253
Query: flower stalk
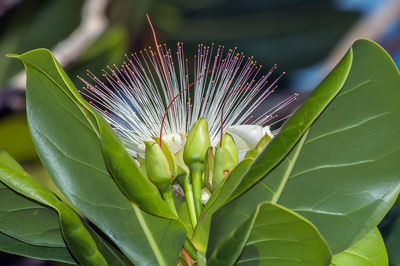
188,189
167,196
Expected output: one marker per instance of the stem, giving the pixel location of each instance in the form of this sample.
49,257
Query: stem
187,187
188,260
190,249
167,196
196,180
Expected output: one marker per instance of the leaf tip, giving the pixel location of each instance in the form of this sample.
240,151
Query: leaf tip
11,55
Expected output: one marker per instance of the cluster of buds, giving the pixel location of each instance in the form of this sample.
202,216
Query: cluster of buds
198,168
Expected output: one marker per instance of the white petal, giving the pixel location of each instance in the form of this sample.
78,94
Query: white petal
205,196
267,130
175,141
247,136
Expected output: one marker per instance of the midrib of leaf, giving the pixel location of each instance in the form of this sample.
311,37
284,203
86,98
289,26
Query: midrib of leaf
358,256
288,171
149,236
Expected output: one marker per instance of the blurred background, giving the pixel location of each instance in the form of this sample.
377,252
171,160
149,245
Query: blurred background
305,38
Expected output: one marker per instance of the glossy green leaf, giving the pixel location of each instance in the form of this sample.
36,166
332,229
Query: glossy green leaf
343,175
79,240
72,153
23,219
295,127
28,221
11,245
272,235
37,225
368,251
127,174
183,212
110,253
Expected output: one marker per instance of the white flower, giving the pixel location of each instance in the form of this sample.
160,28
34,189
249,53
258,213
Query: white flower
247,136
225,85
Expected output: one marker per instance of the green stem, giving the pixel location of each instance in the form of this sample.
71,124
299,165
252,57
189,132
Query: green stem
196,180
167,196
187,187
190,249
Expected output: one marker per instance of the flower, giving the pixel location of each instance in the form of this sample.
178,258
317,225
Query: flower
228,89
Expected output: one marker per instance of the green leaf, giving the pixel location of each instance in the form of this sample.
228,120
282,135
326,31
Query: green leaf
127,174
110,253
29,229
295,127
369,251
79,240
28,221
14,246
343,175
23,219
183,212
32,225
71,151
272,235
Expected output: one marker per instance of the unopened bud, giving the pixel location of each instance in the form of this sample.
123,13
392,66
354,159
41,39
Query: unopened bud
224,164
157,166
197,143
169,155
229,144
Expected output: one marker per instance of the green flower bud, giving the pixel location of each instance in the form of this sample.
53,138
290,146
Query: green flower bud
224,164
229,144
226,158
169,155
157,166
196,146
194,152
252,154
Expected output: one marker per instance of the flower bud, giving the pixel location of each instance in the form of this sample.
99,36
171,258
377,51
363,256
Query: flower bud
252,154
157,166
229,144
197,143
224,163
169,155
226,158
